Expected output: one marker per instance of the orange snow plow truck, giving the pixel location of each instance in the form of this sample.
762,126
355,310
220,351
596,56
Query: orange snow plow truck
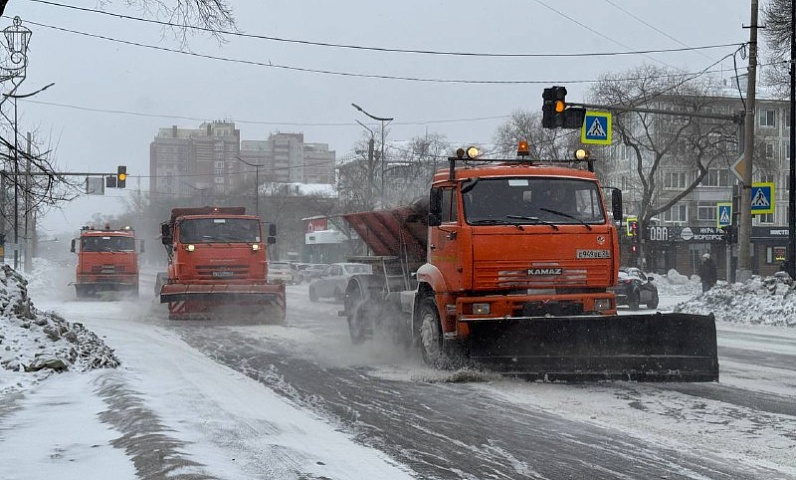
217,266
107,260
509,265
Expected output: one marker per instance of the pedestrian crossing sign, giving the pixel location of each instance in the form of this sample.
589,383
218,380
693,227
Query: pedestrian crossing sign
762,198
723,214
596,128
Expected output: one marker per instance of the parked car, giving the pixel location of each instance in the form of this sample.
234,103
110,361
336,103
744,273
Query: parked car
333,280
635,288
280,272
312,271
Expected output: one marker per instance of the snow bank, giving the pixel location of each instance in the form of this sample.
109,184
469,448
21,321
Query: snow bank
759,301
32,341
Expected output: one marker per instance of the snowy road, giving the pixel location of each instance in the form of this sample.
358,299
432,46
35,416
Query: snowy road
301,402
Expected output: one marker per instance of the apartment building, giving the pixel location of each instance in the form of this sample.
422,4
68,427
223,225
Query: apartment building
678,236
186,162
285,158
212,161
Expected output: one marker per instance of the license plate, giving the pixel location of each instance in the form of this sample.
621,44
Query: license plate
223,274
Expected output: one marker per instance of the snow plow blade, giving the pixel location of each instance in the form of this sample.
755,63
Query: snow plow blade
203,301
659,347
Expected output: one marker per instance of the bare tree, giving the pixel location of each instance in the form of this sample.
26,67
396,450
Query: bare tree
656,143
544,144
777,19
210,15
411,169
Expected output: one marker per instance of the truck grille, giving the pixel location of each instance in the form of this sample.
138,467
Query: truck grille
222,272
107,269
513,275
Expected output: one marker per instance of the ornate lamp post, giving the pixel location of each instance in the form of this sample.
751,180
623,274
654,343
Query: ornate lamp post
13,67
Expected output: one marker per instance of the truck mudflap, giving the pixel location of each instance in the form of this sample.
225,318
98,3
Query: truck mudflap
657,347
215,301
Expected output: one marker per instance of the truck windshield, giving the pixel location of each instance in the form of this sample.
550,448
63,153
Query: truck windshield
108,243
228,230
533,200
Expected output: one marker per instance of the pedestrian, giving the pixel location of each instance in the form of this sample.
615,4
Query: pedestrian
707,272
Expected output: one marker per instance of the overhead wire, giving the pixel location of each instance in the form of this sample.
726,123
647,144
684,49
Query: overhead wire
383,49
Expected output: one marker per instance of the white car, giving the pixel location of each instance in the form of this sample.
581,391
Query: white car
280,272
333,280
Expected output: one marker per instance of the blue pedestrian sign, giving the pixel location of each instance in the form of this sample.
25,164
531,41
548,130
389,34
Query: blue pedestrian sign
723,214
762,198
596,128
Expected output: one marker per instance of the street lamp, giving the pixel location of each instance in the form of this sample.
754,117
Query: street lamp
256,183
384,121
17,38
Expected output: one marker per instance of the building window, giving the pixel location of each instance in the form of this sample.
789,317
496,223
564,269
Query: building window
678,213
766,118
767,218
674,180
770,150
716,178
706,212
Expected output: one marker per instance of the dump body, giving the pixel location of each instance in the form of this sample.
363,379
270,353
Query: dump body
218,266
107,260
513,268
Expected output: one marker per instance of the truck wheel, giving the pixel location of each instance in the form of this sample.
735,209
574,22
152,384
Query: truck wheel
633,300
357,312
80,291
430,335
313,294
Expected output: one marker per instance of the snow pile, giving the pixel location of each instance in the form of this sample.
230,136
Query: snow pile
676,284
35,341
759,301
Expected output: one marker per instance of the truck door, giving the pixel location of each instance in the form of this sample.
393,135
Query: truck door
444,247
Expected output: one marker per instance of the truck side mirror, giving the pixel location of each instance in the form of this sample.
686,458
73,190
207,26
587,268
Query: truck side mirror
271,234
435,207
72,249
142,247
165,233
616,204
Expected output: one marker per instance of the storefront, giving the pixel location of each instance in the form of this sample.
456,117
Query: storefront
680,248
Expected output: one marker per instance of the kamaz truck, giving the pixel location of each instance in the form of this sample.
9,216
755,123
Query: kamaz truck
218,266
509,264
107,261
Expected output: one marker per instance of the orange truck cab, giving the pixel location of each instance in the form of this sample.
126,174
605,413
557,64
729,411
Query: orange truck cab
218,262
107,260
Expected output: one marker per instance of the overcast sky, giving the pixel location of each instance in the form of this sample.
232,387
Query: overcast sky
110,96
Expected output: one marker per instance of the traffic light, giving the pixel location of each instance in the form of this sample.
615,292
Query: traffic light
556,113
121,176
553,106
730,234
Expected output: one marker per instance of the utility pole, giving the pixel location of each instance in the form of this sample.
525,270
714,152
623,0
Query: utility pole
791,256
28,264
744,271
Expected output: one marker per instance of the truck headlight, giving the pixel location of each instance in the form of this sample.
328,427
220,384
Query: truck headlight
602,304
190,248
255,247
481,309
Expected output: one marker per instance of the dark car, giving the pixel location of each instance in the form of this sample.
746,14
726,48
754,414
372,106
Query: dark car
635,288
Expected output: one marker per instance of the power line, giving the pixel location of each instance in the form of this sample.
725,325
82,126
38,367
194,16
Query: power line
384,49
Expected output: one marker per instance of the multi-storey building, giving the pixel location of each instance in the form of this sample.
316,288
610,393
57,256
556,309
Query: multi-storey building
285,158
212,160
678,236
187,162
